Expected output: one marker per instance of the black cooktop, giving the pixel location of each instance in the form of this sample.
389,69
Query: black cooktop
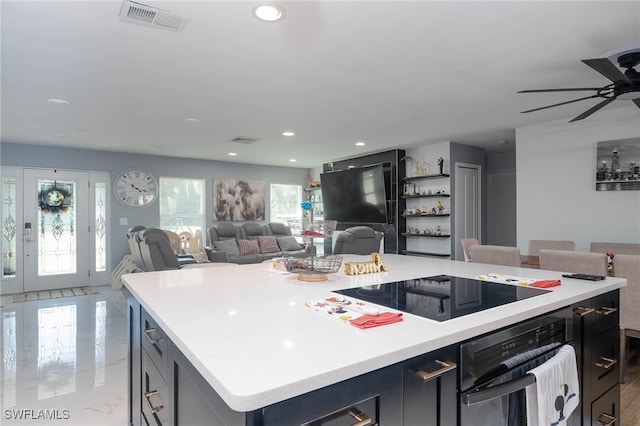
441,297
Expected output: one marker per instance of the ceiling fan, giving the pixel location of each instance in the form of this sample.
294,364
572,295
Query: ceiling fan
624,86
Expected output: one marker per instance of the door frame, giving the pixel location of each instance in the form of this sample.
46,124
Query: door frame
15,284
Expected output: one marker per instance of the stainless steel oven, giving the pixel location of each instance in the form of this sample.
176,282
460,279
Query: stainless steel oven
493,369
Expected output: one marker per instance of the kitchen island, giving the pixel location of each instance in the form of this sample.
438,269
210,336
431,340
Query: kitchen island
245,334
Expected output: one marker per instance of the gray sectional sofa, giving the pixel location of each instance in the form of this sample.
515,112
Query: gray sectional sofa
251,242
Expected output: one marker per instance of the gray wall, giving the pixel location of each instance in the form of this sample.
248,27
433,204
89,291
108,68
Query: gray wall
556,196
501,199
114,162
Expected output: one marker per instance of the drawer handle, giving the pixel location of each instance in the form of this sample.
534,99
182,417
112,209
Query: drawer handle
446,366
605,310
147,332
361,418
148,396
610,362
606,419
582,311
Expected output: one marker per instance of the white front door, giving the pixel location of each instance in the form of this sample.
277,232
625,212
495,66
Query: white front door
56,229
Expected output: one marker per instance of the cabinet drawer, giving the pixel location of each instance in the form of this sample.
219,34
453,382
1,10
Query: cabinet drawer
607,313
605,368
429,391
155,393
606,409
154,341
363,413
374,398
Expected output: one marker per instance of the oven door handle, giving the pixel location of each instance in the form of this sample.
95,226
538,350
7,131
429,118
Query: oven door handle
477,396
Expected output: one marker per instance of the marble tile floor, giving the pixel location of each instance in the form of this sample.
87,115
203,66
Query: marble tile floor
64,360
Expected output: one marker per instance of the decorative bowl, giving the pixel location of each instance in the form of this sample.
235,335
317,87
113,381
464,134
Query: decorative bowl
313,268
315,229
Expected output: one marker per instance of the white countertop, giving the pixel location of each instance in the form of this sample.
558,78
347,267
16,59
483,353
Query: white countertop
249,334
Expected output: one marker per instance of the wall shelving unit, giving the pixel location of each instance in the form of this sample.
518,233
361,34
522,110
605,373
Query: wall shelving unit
426,189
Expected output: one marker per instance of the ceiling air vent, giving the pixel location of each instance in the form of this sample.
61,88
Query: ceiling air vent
138,13
244,140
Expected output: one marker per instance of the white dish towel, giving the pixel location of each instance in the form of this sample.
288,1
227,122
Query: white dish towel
555,394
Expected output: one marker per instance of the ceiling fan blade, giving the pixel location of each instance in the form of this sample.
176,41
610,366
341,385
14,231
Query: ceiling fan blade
561,103
594,109
608,69
560,90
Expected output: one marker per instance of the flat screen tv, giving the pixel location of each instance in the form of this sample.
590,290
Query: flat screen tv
355,195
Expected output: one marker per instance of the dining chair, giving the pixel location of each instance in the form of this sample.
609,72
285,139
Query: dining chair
495,255
536,245
573,262
466,243
628,266
615,248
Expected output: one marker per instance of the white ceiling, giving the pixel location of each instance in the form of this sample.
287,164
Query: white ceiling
392,74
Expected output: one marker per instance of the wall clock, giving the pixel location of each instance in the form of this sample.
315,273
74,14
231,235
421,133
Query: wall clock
135,188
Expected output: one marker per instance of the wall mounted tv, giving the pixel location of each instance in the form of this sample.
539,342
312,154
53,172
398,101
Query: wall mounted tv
355,195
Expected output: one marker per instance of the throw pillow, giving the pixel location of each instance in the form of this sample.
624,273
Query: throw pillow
248,247
289,243
227,246
268,244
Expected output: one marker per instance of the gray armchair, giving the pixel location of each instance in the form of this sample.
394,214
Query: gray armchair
157,253
358,240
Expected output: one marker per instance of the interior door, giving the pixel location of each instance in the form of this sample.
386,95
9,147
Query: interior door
56,229
467,204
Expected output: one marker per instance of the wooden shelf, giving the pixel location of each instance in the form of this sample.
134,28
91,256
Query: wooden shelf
423,253
426,196
412,178
404,234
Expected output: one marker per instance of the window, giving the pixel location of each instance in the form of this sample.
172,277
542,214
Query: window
182,204
285,202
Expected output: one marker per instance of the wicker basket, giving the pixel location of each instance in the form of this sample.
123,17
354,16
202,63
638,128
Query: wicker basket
315,229
314,268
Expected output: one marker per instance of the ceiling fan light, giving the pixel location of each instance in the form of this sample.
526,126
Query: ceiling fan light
629,96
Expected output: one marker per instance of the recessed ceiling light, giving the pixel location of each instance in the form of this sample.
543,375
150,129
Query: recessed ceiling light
269,12
292,160
288,134
360,143
55,101
191,120
232,154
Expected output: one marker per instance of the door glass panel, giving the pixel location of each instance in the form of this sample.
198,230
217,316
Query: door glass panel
101,226
9,354
57,329
8,227
57,243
